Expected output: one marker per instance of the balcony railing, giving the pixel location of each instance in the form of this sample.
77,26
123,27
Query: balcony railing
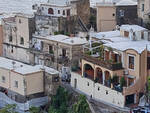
63,60
41,52
106,64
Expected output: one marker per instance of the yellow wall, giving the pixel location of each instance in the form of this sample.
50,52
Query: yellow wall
105,19
23,31
34,83
5,73
136,71
17,77
27,84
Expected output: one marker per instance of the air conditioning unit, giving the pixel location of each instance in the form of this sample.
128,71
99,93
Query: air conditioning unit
126,72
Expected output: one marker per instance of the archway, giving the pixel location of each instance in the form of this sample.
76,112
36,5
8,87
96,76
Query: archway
99,75
107,79
50,11
88,71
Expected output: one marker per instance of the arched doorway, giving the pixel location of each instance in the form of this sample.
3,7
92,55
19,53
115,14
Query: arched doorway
99,75
50,11
88,71
107,79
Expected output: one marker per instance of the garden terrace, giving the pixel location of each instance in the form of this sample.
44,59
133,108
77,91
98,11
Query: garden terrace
113,66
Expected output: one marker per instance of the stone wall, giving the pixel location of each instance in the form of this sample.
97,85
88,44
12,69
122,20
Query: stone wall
97,91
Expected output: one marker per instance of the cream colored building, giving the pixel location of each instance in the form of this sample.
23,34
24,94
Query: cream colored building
111,13
22,82
17,34
57,50
144,10
106,17
124,55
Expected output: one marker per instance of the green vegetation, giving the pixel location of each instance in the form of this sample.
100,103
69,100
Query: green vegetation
115,80
110,49
101,52
88,53
59,102
62,32
96,44
122,82
9,109
81,106
51,52
148,87
34,109
63,102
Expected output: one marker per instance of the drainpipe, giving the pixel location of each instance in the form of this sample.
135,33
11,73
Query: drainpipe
57,56
9,80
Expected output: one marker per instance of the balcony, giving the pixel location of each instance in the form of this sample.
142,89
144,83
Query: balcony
41,52
63,60
103,63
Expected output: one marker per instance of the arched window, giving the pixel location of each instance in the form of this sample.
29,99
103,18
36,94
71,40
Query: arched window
21,41
50,11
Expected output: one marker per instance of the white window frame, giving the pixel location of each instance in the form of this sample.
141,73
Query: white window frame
129,55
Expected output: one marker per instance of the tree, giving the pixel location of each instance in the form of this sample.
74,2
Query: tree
34,110
63,102
81,106
59,102
10,108
115,80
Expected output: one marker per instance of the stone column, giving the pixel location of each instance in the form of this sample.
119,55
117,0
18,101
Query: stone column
127,81
103,78
95,73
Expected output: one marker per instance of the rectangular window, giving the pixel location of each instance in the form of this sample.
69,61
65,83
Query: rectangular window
131,62
63,52
68,12
142,7
50,49
3,79
58,11
22,41
63,12
116,58
10,38
16,84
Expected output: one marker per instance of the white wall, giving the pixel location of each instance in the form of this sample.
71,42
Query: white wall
20,54
55,9
113,97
